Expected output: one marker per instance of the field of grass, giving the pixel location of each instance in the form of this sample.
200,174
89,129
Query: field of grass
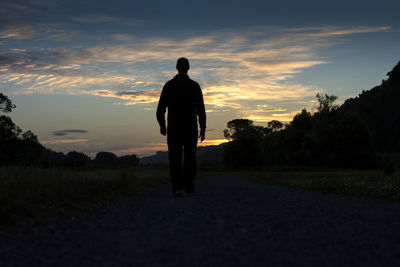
40,194
358,183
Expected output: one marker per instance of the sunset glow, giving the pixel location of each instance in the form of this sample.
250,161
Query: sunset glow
102,71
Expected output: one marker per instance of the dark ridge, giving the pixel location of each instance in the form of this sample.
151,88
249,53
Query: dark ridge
379,108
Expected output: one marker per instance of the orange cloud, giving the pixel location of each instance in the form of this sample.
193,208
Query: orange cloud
63,141
235,68
17,32
134,97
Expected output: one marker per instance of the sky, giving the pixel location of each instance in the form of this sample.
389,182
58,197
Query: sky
87,75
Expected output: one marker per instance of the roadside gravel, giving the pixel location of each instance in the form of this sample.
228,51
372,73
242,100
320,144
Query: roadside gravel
228,222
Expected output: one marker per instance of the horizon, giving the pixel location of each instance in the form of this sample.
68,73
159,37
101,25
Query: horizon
87,76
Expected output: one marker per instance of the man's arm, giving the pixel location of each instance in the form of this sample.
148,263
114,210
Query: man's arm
161,109
201,112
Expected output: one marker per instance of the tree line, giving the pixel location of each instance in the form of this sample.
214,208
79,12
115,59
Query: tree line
379,108
23,148
327,138
362,133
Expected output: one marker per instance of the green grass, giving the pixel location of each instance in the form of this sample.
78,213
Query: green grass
40,194
365,184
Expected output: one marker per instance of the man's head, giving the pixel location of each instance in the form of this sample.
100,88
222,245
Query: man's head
182,65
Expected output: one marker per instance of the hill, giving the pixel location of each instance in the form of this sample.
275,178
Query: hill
206,155
379,108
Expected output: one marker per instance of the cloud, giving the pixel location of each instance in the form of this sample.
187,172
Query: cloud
63,141
107,19
65,132
268,109
42,30
13,6
19,32
134,97
234,68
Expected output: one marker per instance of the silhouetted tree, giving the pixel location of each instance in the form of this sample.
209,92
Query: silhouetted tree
275,125
328,137
29,137
16,147
379,108
394,75
8,129
326,102
76,159
106,160
52,158
5,104
128,161
236,127
245,149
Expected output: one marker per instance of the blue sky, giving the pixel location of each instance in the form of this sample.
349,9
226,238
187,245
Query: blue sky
97,67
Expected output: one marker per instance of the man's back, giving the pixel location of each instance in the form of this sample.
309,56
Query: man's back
184,100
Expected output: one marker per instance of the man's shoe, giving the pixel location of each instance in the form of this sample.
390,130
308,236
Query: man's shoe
189,188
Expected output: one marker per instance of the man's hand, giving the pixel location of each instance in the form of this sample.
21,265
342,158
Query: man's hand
163,130
202,135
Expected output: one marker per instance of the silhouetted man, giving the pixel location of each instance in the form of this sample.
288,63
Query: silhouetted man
184,100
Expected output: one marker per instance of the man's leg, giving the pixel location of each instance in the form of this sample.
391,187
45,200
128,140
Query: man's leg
175,162
189,162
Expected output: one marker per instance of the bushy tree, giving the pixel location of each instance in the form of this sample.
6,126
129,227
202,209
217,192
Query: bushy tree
379,108
128,161
237,127
16,147
326,102
329,137
76,159
5,104
275,125
245,148
8,129
107,160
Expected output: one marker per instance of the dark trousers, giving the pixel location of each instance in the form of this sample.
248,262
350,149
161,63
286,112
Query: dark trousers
182,175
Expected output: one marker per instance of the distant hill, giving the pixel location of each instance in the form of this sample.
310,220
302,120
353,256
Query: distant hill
205,155
380,109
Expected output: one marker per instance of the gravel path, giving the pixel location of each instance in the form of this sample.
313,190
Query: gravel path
229,222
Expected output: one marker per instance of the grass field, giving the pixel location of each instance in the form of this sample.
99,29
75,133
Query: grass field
40,194
358,183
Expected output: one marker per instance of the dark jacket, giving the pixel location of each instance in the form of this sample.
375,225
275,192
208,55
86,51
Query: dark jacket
184,100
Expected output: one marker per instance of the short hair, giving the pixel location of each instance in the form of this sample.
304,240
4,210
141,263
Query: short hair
182,64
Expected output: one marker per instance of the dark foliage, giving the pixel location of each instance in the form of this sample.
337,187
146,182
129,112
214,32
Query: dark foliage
128,161
348,136
52,158
23,148
109,160
378,107
5,104
16,147
106,160
76,160
245,148
329,138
